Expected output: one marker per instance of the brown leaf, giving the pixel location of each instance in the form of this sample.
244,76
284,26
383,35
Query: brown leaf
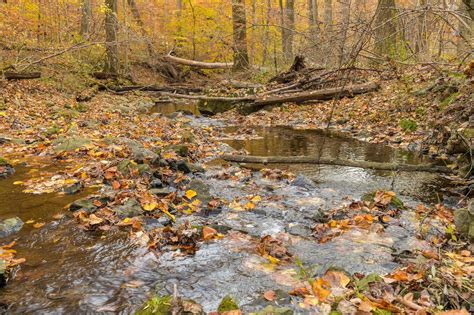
299,291
269,295
208,233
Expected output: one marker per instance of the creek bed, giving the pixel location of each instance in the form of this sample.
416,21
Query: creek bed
69,270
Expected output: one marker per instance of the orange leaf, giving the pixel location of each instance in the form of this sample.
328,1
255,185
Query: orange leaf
269,295
115,185
400,275
299,291
208,233
320,289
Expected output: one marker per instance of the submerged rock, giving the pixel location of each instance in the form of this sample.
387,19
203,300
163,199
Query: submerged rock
10,226
303,182
130,209
464,220
6,169
168,305
227,304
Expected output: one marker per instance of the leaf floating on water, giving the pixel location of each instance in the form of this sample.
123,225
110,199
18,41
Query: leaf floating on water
38,225
18,182
30,221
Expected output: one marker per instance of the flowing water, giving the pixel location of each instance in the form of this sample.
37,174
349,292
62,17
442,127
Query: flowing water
69,270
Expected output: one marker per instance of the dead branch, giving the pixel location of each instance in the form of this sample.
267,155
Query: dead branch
21,75
315,160
199,64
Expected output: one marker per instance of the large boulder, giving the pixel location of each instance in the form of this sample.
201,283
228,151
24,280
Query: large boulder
131,208
70,143
138,152
10,226
464,220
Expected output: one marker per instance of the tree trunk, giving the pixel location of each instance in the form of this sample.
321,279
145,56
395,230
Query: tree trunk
466,27
241,56
290,19
421,42
328,17
138,19
313,20
86,13
346,16
284,30
111,28
385,28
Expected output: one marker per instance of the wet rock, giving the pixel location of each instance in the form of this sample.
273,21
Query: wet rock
6,169
73,188
156,183
273,310
69,143
86,204
131,208
303,182
161,192
151,223
138,152
165,220
180,149
183,166
3,272
202,190
299,230
10,226
212,107
168,305
464,220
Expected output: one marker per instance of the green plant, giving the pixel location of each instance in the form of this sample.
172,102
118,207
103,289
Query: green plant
408,125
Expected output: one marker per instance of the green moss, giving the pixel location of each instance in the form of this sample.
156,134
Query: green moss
156,306
227,304
3,162
408,125
448,100
363,284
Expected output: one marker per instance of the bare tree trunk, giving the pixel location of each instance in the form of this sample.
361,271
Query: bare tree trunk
138,19
283,27
313,20
111,29
290,18
241,56
86,13
385,28
466,28
346,16
254,32
421,42
328,17
266,40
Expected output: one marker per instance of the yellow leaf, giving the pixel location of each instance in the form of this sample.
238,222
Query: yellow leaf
18,182
236,206
70,181
3,114
256,199
150,206
30,221
38,225
249,206
190,194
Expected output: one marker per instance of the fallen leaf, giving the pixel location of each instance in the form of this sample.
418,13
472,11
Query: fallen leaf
94,220
190,194
208,233
269,295
38,225
150,206
320,289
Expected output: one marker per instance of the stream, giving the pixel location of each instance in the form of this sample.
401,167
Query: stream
69,270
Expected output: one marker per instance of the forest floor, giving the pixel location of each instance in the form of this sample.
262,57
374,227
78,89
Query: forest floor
258,234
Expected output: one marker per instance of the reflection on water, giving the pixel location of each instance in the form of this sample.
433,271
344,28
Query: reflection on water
167,109
282,141
343,181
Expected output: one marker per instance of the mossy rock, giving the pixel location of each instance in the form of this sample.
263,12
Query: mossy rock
464,221
156,306
227,304
70,143
180,149
273,310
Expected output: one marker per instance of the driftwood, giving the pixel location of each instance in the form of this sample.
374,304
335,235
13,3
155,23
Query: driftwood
21,75
325,94
314,160
199,64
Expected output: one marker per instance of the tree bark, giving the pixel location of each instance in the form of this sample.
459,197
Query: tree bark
466,28
327,17
21,75
385,28
239,23
290,18
327,161
86,13
313,20
111,29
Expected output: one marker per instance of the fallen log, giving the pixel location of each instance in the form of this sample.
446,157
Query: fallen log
199,64
325,94
154,88
210,98
21,75
314,160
